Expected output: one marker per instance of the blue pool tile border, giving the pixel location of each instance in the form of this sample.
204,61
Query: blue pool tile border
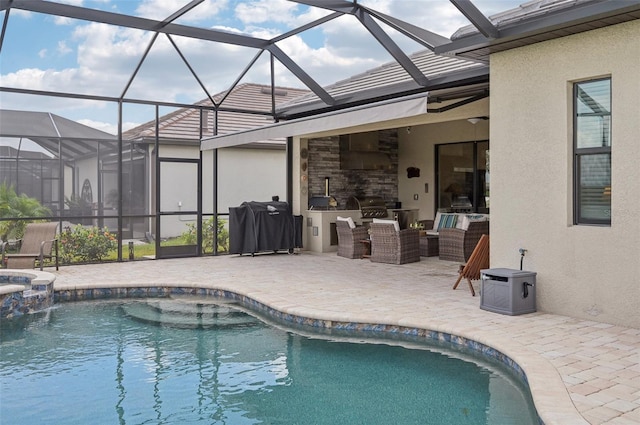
20,280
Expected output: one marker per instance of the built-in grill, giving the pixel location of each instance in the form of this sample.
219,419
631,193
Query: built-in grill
369,206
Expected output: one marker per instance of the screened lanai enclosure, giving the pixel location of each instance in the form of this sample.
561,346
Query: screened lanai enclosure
83,176
112,142
76,173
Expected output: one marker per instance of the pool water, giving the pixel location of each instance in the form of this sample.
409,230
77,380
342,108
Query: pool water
171,362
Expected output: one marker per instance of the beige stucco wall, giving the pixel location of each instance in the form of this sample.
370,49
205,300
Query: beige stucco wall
590,272
250,175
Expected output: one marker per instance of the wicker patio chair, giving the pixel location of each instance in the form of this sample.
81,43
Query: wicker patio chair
38,243
478,260
457,244
349,244
392,246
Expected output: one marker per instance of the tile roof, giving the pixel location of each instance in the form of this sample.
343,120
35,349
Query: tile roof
390,78
184,124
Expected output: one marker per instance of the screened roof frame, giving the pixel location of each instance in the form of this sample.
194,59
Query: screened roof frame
476,45
337,8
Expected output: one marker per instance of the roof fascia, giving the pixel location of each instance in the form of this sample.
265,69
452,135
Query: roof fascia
541,24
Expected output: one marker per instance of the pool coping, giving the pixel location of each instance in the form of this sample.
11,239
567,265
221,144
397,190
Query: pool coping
551,398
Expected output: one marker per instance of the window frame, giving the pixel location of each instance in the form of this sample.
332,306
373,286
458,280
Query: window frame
580,152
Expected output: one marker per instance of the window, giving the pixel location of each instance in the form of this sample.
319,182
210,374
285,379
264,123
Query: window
592,152
463,177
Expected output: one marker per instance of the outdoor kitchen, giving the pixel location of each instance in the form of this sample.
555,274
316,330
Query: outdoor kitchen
353,176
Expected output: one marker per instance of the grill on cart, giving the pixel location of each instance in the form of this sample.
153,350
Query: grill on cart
263,227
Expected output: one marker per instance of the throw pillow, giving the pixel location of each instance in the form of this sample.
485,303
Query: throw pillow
447,221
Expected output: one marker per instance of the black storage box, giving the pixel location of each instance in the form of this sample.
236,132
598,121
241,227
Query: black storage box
508,291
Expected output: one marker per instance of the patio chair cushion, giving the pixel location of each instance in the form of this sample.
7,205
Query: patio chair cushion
349,221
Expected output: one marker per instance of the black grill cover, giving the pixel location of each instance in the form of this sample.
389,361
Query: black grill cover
261,226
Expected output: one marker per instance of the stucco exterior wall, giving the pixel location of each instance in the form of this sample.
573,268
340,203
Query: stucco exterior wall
590,272
250,175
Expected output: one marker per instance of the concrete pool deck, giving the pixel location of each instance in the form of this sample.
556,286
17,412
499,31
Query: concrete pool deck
579,371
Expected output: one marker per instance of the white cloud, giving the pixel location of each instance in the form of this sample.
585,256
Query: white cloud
63,49
63,21
42,53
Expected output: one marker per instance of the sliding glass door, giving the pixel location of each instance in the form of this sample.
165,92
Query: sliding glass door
463,177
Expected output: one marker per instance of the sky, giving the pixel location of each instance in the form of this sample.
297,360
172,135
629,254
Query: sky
51,53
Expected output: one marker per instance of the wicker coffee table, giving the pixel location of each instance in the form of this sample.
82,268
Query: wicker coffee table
429,246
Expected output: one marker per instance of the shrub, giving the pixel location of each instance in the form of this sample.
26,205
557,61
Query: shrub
86,244
189,236
13,205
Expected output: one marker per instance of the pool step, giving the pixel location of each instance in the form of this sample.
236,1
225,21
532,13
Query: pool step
183,313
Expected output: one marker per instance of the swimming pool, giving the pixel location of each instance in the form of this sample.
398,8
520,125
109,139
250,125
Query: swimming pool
161,361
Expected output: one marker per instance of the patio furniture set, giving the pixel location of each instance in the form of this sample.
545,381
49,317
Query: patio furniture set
451,237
